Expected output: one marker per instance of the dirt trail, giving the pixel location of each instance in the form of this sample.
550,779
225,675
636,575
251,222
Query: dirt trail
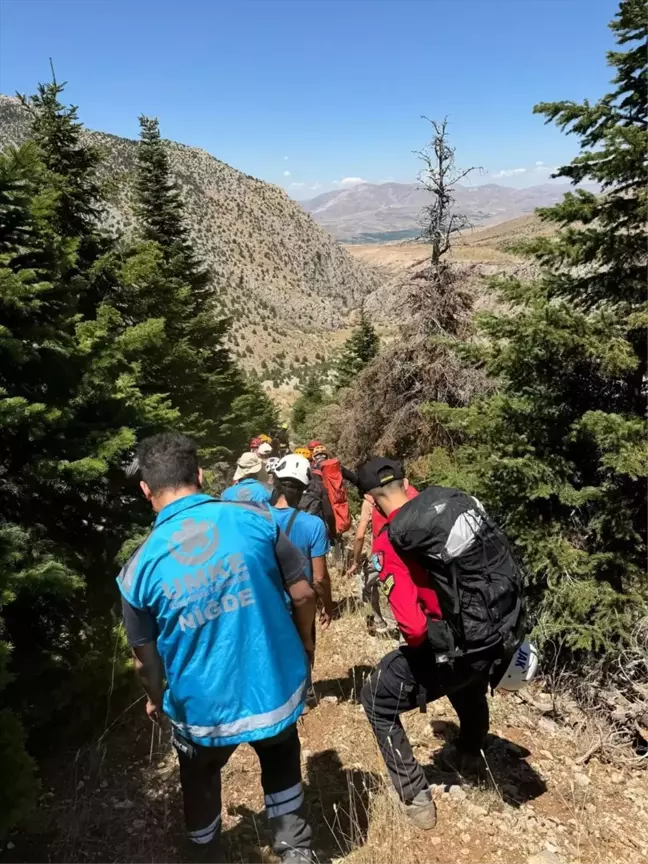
120,800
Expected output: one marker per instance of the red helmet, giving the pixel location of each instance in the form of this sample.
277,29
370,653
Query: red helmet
255,443
313,444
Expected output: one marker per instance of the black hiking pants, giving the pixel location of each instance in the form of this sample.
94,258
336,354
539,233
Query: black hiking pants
200,777
399,683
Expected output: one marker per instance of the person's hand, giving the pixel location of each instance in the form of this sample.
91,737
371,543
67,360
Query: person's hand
153,711
325,616
353,569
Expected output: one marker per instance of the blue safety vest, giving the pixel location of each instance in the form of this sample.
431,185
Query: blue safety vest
248,489
234,663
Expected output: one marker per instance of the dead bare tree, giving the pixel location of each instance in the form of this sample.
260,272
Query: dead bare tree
435,300
440,176
385,411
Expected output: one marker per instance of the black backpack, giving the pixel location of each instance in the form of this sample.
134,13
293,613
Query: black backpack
312,499
472,568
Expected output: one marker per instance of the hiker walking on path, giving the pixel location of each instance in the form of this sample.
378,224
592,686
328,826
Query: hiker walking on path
307,532
456,638
315,500
214,643
250,481
333,475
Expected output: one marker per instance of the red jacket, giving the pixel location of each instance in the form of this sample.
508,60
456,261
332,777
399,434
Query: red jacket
407,587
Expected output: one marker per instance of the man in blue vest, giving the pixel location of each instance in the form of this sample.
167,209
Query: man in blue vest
307,532
214,643
250,481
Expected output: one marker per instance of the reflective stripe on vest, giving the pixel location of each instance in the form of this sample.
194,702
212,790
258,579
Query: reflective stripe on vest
246,724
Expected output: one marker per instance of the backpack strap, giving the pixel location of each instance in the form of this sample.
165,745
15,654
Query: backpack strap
291,522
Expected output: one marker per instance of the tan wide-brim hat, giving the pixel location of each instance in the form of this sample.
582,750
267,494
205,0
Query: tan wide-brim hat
248,465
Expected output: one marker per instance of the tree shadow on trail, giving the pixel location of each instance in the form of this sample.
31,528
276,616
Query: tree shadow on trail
337,809
505,767
347,688
338,804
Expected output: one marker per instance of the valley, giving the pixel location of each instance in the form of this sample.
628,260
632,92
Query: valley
378,213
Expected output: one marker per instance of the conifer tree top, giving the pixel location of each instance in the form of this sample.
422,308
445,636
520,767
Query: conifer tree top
600,257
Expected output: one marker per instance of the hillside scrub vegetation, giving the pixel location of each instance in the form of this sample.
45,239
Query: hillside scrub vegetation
103,340
538,407
313,412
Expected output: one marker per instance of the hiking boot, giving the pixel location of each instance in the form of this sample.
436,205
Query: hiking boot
298,856
422,810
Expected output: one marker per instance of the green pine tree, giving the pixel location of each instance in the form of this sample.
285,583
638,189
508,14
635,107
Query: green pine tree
310,398
17,183
71,163
357,352
168,280
559,452
71,407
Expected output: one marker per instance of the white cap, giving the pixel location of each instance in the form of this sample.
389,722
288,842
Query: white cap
522,668
293,467
265,449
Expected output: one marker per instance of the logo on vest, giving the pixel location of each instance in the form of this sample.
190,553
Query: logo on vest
243,494
194,543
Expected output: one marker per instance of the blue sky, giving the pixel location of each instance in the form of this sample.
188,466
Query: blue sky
316,94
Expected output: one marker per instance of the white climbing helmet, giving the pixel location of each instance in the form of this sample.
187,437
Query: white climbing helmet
522,668
293,467
271,464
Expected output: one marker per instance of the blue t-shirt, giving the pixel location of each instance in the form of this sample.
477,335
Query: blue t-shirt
248,489
308,533
208,585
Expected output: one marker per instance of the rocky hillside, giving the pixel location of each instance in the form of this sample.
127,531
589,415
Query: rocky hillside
281,275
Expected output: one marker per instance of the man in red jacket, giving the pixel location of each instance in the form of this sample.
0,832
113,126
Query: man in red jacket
413,675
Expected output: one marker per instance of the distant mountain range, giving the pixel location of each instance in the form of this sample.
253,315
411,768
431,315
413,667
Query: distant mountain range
390,211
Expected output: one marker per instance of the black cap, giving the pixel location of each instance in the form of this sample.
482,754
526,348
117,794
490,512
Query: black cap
379,472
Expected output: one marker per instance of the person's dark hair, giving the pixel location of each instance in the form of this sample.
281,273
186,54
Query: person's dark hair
291,490
168,461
